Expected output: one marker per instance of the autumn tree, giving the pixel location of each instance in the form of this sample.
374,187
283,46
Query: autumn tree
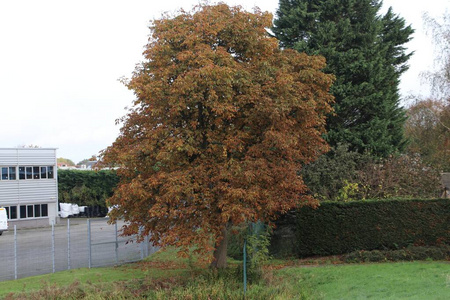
221,123
428,131
365,51
65,161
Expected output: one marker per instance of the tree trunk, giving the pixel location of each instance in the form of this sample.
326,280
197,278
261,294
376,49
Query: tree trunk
220,253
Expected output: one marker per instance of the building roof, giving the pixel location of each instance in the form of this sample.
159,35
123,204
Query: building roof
26,148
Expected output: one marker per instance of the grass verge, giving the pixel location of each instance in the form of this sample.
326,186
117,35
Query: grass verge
405,280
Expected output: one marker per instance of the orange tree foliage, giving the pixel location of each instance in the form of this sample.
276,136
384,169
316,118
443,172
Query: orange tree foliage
222,121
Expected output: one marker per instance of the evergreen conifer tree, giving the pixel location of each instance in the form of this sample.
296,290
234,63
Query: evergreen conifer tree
365,52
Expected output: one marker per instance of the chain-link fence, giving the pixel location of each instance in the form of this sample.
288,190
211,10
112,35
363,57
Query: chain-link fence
75,243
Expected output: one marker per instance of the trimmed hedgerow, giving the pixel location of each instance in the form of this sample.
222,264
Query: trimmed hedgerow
407,254
345,227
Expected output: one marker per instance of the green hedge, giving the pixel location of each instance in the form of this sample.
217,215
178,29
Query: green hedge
343,227
409,253
86,187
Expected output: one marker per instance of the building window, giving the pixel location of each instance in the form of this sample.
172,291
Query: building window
27,211
36,172
4,173
30,211
37,210
44,210
23,211
43,172
12,173
29,171
13,211
8,173
21,172
50,172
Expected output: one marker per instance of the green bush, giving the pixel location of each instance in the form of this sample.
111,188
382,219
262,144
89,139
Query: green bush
257,237
343,227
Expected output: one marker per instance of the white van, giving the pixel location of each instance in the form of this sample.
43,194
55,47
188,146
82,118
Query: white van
3,220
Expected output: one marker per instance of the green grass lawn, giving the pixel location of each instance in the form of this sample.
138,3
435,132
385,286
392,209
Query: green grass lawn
408,280
164,276
159,265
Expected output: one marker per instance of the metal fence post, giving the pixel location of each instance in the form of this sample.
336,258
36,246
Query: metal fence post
68,244
117,244
146,245
141,244
89,243
245,265
15,252
53,246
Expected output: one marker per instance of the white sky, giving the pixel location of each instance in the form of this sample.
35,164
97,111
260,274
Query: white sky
60,62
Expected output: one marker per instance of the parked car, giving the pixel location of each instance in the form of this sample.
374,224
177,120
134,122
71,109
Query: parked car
3,220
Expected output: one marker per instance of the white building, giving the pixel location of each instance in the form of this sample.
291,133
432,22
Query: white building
29,186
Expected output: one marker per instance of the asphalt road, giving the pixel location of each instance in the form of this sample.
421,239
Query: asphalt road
41,251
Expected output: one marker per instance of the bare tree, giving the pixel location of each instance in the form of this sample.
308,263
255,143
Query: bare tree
440,77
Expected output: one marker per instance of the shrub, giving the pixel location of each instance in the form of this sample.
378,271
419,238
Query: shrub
343,175
326,176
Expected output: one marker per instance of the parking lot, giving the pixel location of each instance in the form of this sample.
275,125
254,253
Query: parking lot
69,245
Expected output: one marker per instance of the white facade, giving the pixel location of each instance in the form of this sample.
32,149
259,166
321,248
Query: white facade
29,185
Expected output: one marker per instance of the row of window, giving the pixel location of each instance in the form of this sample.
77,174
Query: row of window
27,211
27,172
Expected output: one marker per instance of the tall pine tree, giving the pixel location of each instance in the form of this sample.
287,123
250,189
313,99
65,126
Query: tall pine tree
365,51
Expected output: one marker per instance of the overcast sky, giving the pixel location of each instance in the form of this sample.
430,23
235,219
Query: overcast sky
60,62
